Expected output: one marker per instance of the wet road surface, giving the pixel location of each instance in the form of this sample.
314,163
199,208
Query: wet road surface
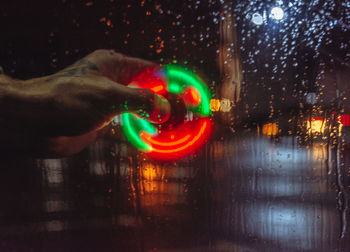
243,192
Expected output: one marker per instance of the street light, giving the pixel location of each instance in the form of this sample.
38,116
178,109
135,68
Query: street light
277,13
257,19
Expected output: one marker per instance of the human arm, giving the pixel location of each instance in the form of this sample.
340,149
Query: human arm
60,114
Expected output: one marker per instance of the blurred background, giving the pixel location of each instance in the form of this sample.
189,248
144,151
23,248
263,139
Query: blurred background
273,176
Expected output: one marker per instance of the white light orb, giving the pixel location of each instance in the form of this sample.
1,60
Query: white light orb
225,105
277,13
257,19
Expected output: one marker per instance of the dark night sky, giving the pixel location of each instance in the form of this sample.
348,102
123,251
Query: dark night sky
41,37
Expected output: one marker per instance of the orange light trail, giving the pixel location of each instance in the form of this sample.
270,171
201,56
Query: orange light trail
157,89
195,95
152,141
201,132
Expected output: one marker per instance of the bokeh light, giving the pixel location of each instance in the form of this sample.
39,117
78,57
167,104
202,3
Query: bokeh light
277,13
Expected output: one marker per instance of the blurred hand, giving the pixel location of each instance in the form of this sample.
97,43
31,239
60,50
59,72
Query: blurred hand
60,114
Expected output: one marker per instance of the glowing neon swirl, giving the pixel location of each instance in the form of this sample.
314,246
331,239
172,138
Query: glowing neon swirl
190,143
186,138
155,142
132,135
177,76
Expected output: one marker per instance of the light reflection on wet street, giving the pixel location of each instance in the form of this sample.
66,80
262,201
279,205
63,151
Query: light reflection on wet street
241,193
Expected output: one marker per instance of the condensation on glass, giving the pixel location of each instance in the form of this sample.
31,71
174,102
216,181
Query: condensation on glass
273,176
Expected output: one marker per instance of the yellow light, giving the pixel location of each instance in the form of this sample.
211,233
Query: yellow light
270,129
214,105
316,125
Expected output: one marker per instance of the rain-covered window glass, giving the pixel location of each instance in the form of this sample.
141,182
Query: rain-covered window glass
251,154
